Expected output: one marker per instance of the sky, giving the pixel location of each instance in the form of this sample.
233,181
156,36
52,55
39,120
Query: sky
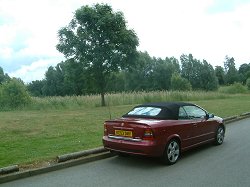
208,29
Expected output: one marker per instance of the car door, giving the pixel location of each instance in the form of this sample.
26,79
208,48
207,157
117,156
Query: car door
185,129
197,119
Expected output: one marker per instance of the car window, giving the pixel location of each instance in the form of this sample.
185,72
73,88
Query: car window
145,111
194,112
182,114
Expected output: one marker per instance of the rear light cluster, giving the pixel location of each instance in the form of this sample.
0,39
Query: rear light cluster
105,130
148,135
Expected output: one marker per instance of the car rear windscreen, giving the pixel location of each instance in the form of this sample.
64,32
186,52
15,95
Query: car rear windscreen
145,111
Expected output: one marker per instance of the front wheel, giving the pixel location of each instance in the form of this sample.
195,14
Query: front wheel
172,152
220,134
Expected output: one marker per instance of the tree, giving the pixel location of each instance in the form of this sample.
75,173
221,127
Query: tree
179,83
201,75
209,81
139,77
35,88
162,72
244,72
248,83
53,82
231,72
191,70
98,38
116,82
73,77
14,94
187,66
220,74
3,77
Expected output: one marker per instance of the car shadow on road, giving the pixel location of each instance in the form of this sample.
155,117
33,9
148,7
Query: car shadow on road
142,162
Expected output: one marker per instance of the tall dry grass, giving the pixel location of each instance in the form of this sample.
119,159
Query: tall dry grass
124,98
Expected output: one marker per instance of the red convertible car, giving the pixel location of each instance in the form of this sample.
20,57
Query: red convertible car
162,130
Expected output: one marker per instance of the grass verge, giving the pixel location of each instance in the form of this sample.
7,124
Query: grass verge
33,136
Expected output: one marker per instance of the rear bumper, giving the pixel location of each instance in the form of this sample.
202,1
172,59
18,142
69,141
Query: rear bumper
143,147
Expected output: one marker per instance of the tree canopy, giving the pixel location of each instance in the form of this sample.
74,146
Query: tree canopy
13,92
201,75
3,76
98,38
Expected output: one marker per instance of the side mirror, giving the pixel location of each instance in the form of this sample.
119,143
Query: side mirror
209,116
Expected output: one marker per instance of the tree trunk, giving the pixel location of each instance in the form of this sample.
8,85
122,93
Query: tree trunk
103,99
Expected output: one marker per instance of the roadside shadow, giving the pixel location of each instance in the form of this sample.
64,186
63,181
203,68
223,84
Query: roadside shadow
197,150
143,162
135,161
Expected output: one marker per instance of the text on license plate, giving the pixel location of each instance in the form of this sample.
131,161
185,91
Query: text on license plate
123,133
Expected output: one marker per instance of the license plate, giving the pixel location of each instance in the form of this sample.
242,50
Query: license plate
123,133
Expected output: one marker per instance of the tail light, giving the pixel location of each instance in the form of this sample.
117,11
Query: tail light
105,130
148,135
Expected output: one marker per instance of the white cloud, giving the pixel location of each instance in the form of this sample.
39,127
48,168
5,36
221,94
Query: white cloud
6,52
164,27
35,71
7,34
187,27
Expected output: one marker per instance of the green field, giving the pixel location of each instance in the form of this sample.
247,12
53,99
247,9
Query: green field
36,135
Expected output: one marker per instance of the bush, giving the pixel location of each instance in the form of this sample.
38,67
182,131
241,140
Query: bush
233,89
13,95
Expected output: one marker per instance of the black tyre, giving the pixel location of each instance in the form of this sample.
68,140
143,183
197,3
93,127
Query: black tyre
220,134
172,152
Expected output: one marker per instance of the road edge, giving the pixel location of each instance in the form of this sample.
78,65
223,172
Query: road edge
57,166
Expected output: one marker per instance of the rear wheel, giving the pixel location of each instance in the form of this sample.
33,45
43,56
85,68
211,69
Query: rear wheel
172,152
220,134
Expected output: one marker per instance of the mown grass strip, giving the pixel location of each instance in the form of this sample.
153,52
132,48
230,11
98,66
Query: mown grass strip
32,136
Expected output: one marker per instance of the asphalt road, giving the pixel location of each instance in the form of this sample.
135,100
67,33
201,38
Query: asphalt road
225,165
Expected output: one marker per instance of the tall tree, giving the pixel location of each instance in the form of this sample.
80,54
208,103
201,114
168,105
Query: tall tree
201,75
220,74
187,66
244,72
140,76
3,76
191,70
162,73
53,82
116,82
99,38
209,81
73,77
231,71
35,88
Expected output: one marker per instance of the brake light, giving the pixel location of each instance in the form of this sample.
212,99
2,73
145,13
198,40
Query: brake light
105,129
148,135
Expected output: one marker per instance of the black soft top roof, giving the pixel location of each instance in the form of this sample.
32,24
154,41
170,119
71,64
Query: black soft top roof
170,110
169,105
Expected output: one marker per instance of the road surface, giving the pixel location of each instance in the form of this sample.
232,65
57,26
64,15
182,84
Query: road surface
225,165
